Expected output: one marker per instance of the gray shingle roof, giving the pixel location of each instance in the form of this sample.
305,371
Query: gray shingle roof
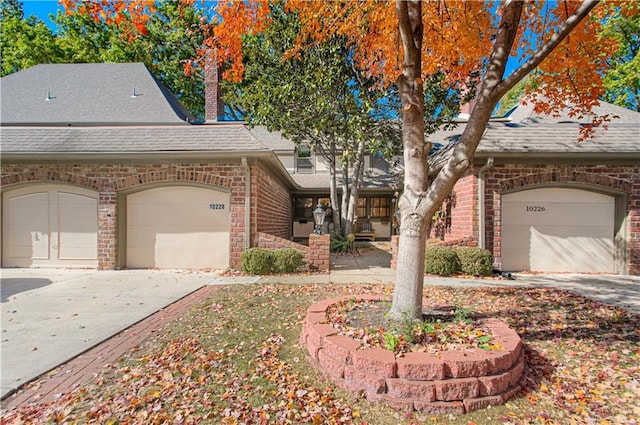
273,139
525,133
320,181
88,94
122,140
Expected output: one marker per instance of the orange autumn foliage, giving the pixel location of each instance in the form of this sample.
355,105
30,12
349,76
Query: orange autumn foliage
458,39
131,16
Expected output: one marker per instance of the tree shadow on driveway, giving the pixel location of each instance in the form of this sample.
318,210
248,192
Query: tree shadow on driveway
12,286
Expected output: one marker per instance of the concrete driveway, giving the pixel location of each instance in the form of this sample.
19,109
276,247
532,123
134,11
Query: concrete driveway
50,316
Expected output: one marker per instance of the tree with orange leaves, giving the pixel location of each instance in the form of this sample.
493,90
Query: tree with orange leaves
470,43
404,42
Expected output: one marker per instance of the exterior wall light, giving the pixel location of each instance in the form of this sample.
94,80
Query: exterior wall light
318,217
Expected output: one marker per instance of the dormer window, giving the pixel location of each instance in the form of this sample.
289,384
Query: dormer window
304,160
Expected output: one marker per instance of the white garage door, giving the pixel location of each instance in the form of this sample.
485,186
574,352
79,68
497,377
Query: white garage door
50,226
558,230
178,227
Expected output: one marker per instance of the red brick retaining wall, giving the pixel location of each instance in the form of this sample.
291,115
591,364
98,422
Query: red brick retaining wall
316,255
453,382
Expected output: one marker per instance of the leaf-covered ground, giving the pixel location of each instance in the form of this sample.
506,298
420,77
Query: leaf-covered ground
236,359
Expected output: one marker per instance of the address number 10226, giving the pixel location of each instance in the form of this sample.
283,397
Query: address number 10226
535,208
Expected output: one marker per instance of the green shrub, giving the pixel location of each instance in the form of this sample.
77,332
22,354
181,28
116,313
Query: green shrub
441,260
287,260
257,261
475,261
341,243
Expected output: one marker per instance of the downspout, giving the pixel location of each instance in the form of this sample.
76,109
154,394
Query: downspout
481,210
247,203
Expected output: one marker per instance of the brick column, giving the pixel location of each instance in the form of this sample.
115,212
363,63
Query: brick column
394,251
107,230
320,252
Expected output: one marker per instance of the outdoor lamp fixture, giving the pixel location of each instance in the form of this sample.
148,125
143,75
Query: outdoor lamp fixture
318,217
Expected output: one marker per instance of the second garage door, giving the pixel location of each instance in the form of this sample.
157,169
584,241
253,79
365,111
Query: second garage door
178,227
558,230
50,225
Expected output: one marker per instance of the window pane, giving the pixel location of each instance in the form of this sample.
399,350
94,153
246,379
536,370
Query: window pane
304,207
326,203
304,163
380,207
361,208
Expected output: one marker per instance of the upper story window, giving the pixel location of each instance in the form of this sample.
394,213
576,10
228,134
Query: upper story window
304,163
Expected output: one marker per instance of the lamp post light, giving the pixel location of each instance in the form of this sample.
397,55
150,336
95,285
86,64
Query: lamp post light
318,217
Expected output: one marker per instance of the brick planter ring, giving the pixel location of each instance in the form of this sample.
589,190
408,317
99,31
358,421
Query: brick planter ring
456,382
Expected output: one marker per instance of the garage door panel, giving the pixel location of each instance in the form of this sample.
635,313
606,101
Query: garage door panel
575,253
78,230
515,258
178,227
175,250
28,232
558,230
516,237
541,213
50,225
559,195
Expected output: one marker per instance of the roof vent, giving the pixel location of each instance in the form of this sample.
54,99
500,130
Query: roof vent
49,97
134,94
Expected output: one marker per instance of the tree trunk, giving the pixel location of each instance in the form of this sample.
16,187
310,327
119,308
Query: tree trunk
407,296
344,208
358,172
417,204
333,189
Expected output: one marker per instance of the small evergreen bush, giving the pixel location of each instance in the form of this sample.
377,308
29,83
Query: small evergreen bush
475,261
441,260
341,243
287,260
258,261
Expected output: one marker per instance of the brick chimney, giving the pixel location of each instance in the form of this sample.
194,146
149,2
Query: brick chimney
213,104
466,110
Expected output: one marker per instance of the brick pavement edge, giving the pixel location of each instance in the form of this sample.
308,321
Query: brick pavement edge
78,371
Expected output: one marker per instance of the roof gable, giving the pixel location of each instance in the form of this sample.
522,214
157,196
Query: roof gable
88,94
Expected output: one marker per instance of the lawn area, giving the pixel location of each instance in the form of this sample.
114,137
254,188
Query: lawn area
236,359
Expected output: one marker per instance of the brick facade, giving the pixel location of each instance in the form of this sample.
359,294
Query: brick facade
113,180
464,199
621,181
272,209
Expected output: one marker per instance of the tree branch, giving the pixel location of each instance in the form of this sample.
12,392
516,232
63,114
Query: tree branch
547,47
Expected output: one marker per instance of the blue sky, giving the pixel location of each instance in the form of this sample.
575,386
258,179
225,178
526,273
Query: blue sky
41,9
